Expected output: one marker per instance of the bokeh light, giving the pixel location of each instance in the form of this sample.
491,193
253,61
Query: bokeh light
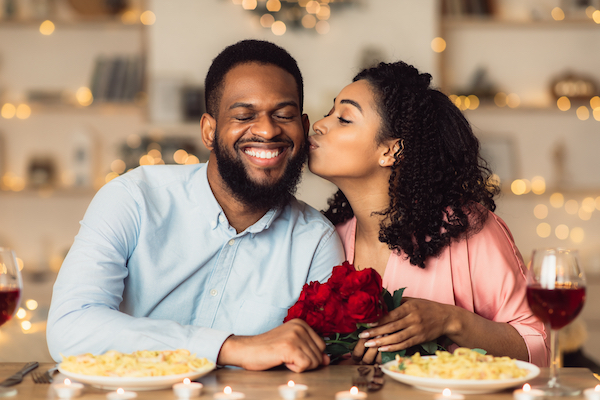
562,231
278,28
557,200
148,17
540,211
571,207
438,44
577,235
558,14
538,185
543,230
563,103
47,27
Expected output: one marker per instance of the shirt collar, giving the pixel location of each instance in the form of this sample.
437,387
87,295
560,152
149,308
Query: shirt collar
211,208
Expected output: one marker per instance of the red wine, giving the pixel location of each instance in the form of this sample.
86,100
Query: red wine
557,306
9,298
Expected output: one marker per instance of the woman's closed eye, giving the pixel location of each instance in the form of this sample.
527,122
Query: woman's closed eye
344,121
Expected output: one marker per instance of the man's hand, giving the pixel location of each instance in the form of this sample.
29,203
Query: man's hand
294,344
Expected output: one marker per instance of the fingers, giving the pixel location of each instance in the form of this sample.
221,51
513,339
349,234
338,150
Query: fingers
305,348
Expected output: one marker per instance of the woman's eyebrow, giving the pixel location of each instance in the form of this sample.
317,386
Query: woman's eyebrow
352,102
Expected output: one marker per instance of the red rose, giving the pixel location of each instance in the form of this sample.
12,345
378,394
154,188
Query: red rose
368,280
298,310
362,307
339,273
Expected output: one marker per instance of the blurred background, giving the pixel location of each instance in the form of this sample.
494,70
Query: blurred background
92,88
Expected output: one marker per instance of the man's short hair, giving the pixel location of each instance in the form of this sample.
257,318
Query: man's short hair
242,52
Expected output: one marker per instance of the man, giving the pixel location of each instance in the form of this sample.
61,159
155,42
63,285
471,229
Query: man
207,257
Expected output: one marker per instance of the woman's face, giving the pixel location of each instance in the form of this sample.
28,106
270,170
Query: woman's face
344,145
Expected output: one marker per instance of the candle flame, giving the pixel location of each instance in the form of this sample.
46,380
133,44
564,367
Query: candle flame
187,381
227,390
291,383
597,388
447,392
120,390
353,390
526,387
67,381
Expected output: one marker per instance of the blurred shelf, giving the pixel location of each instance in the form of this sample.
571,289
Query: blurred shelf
496,23
100,108
50,193
76,23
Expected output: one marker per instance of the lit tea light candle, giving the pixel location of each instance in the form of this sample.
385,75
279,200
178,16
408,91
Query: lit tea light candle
527,393
68,389
592,393
229,394
292,390
187,389
121,394
352,394
448,395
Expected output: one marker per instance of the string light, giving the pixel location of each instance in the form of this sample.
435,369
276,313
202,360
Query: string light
285,15
47,27
583,113
563,103
540,211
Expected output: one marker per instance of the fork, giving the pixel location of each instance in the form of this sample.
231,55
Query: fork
43,377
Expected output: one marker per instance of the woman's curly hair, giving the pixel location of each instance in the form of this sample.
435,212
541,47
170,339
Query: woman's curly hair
439,182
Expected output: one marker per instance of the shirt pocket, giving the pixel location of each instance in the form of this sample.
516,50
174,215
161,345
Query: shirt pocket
255,317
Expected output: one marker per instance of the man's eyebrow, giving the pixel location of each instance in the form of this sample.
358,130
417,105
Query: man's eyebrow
283,104
239,104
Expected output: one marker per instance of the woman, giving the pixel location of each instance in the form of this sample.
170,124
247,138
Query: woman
415,203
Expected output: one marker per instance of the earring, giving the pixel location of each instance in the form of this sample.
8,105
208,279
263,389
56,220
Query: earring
382,162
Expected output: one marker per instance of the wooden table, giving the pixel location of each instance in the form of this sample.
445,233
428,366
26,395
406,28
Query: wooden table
322,383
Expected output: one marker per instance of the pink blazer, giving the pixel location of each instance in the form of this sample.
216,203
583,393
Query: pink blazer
484,274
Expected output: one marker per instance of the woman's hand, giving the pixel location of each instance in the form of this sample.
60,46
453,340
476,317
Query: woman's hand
416,321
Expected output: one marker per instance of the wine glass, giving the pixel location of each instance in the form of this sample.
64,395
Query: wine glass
556,293
10,284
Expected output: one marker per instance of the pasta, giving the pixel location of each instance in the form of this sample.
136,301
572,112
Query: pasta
141,363
462,364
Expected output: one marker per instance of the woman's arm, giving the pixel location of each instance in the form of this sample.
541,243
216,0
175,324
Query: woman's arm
417,321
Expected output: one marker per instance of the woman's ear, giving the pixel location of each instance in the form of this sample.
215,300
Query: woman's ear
208,126
392,152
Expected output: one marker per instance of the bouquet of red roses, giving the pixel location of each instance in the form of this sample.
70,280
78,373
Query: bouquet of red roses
342,307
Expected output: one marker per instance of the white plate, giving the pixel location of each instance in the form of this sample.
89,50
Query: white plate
463,386
136,384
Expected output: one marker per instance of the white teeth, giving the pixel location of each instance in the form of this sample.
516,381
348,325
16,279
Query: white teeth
262,154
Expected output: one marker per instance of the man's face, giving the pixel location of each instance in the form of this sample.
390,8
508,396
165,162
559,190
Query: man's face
260,136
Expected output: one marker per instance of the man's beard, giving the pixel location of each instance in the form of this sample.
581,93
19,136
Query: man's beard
259,196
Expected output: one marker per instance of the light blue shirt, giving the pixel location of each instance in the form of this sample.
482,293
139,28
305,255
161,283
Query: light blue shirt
157,266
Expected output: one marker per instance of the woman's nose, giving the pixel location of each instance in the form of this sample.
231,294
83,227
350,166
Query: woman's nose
319,127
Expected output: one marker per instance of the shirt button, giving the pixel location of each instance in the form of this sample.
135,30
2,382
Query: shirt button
213,292
222,219
231,242
213,224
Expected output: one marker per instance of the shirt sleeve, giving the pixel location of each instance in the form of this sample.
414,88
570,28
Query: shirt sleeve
329,253
499,286
84,315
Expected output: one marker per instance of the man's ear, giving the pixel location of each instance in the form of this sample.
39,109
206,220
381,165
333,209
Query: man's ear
208,126
305,124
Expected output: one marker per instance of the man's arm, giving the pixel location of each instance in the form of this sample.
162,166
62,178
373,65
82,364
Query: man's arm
84,314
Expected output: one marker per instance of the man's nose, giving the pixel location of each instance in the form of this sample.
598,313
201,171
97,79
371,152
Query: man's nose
266,127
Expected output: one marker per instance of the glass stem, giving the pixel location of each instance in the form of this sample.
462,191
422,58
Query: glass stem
555,358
